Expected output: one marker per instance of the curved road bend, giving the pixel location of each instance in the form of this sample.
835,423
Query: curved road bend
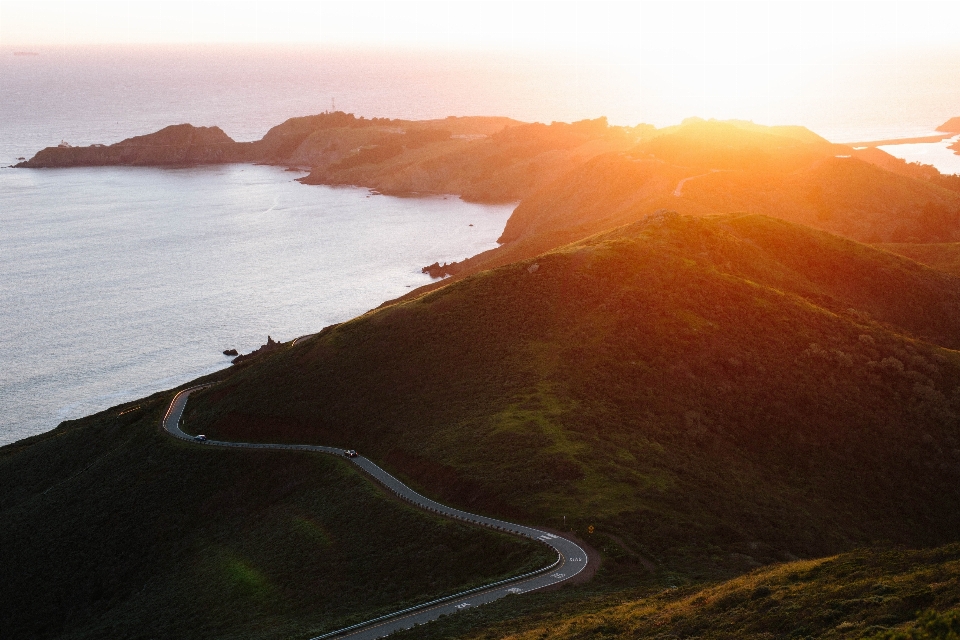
571,558
678,192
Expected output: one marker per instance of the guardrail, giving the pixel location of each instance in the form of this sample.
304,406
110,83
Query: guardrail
427,605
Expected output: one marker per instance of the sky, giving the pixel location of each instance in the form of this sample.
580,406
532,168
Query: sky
767,60
732,31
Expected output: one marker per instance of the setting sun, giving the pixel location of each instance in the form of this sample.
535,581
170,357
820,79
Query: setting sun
654,62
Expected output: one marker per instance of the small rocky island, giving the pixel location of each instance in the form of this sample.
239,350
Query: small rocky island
437,270
271,345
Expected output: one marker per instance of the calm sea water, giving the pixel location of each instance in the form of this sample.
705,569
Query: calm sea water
118,282
937,154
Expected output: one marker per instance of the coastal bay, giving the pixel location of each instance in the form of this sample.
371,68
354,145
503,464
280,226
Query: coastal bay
116,282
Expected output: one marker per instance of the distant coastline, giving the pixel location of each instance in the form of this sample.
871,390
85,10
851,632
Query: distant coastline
940,137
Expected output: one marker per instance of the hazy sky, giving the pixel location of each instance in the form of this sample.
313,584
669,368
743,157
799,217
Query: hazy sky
775,61
739,31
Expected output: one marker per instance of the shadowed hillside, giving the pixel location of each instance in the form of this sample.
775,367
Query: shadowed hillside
890,594
697,395
944,256
693,385
110,529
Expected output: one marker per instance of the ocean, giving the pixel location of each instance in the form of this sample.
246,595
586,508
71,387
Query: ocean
119,282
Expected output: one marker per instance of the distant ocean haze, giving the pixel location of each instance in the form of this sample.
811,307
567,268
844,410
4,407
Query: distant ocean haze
87,95
119,282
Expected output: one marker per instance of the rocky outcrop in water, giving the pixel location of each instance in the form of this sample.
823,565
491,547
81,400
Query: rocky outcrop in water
271,345
437,270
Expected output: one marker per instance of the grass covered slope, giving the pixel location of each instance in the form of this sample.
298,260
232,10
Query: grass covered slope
109,528
944,256
502,166
706,389
715,167
712,167
889,594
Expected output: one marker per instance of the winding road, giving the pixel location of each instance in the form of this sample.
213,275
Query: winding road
678,192
571,559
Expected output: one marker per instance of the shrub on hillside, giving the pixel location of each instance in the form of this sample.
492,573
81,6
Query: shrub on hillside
932,625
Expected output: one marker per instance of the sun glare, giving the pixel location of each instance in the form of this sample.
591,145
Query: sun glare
725,33
771,61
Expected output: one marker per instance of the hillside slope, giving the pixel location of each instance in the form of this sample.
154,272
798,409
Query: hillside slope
879,594
179,144
109,528
729,384
503,167
718,167
944,256
710,167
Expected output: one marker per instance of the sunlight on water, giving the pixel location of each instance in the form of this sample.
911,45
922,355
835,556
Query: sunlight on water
937,154
118,282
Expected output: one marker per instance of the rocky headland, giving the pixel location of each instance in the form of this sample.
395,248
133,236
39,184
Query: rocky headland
950,126
481,159
179,144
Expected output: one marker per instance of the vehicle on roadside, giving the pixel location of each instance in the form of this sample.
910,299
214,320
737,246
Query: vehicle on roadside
350,453
200,438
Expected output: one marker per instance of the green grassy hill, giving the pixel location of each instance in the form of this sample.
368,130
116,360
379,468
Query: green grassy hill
111,529
735,145
944,256
728,168
698,396
715,392
714,168
875,594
